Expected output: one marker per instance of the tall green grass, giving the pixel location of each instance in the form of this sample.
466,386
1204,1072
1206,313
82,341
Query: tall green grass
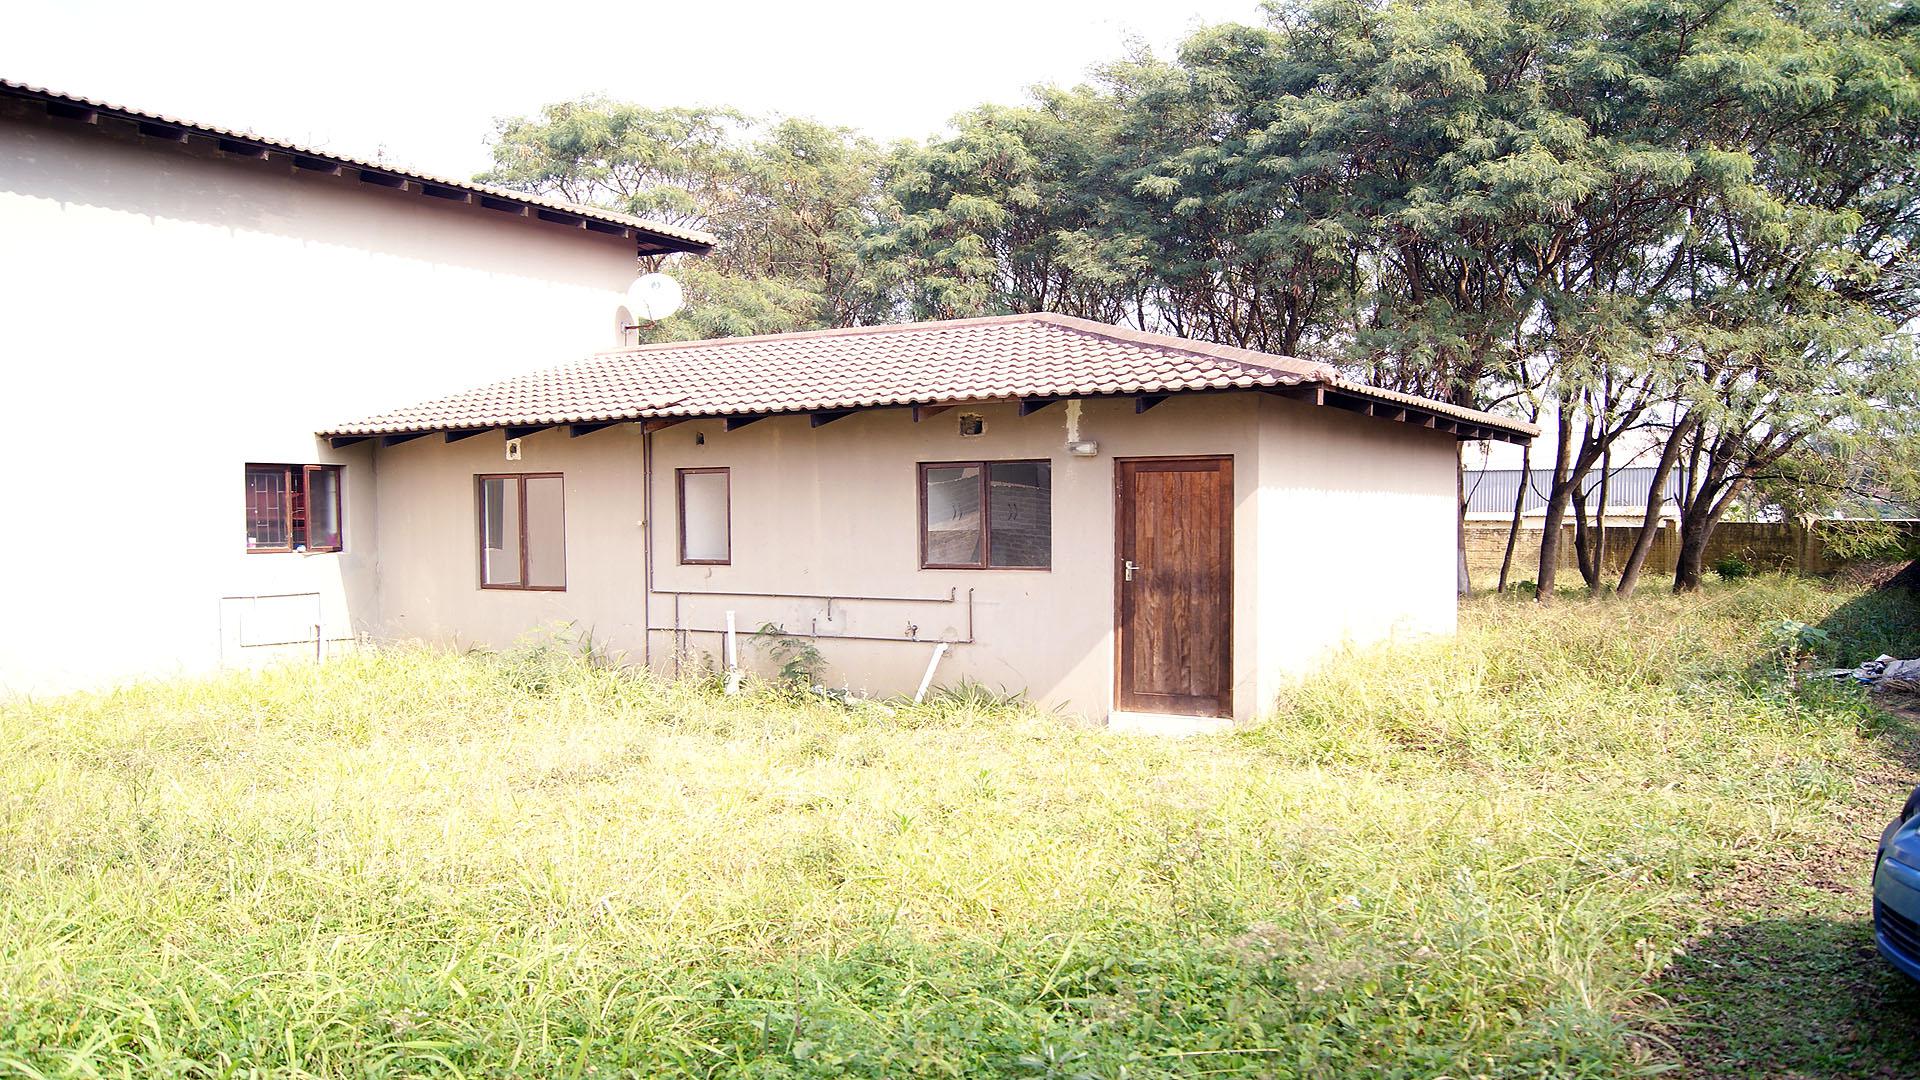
1451,858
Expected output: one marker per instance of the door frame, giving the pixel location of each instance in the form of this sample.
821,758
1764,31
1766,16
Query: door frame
1122,530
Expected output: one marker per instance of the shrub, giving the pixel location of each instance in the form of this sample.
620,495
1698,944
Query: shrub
799,661
1732,567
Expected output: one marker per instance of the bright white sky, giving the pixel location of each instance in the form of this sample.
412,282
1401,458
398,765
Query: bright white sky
425,81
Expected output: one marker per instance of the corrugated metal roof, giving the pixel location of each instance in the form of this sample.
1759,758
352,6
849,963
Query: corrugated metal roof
665,236
999,358
1491,491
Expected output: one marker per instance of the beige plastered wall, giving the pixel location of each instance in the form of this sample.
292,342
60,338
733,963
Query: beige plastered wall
1343,534
168,315
1357,524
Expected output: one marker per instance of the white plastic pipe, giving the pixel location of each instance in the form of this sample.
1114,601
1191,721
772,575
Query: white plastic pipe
733,657
926,680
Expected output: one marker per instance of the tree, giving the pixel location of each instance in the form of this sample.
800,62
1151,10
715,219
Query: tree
673,165
1798,281
802,200
791,204
1224,207
1511,185
999,217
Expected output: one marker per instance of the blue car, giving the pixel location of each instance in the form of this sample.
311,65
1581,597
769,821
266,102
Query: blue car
1896,890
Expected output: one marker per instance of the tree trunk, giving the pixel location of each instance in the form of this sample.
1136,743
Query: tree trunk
1519,505
1686,569
1556,511
1650,522
1582,537
1696,528
1600,524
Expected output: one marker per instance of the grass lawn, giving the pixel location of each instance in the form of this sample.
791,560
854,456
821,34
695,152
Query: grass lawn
1591,841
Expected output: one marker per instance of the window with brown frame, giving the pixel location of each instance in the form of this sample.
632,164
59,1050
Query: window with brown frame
706,516
986,515
293,508
523,531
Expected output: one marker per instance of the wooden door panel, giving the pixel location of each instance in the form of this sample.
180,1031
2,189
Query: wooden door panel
1174,633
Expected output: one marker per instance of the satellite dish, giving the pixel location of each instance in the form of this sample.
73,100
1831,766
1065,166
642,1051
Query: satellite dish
653,297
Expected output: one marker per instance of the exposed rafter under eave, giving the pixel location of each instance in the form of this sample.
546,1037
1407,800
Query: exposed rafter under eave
1307,393
1464,430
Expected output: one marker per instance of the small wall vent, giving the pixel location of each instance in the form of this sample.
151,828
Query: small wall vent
972,424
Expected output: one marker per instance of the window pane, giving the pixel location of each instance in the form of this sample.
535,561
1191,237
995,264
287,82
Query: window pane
323,507
297,509
951,531
500,531
546,533
1021,513
703,517
266,506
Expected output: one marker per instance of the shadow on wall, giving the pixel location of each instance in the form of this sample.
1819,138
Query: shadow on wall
1804,997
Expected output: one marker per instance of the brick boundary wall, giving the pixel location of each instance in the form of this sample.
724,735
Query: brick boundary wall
1764,545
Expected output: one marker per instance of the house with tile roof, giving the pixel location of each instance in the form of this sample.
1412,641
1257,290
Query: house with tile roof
270,350
1132,527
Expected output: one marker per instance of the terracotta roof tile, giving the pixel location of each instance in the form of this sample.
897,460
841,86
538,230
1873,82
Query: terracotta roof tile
1012,356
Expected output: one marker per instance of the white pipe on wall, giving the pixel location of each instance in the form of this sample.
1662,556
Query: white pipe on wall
926,680
646,548
733,657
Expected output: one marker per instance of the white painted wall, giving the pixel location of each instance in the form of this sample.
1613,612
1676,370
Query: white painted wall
167,315
1357,535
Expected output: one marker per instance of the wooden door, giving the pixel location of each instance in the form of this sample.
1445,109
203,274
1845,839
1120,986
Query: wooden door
1173,569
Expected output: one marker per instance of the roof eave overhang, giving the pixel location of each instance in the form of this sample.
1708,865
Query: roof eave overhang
648,238
1464,425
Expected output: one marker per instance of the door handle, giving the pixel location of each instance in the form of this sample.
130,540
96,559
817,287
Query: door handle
1130,566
